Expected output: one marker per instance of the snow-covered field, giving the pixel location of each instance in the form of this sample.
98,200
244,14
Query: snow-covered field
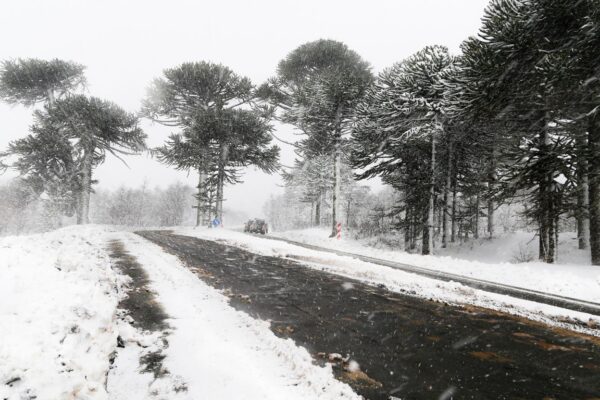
59,324
416,285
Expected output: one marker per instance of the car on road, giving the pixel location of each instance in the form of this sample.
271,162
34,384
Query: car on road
256,226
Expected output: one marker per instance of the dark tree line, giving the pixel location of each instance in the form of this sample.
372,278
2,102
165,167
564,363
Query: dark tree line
515,116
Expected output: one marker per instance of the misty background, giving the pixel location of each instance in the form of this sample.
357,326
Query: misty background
126,44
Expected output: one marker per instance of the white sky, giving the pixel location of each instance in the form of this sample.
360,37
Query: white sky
126,43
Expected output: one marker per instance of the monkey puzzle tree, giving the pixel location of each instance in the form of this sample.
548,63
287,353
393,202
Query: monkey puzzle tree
316,88
30,81
405,108
205,100
44,158
89,128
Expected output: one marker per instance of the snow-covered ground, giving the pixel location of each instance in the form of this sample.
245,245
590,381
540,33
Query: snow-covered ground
221,353
59,324
491,260
452,292
58,298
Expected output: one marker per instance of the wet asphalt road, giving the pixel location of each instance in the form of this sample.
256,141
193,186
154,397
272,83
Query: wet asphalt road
407,347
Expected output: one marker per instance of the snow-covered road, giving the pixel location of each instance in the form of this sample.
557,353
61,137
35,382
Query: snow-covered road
399,345
59,330
221,353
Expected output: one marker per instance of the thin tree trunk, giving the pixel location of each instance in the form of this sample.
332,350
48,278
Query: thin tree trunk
551,232
491,186
86,183
223,157
447,202
209,205
318,210
477,207
337,179
453,221
428,237
78,210
201,203
490,218
594,186
335,207
426,234
407,229
348,213
583,194
556,232
51,97
545,205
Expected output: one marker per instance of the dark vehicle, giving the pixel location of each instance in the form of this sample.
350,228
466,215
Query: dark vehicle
256,226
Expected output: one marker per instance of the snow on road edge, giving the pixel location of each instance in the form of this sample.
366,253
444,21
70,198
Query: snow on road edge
403,282
571,279
224,353
58,299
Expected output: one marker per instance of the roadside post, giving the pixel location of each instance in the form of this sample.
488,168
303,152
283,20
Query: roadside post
339,230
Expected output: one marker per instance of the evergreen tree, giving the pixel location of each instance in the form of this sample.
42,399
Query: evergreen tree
45,160
403,110
204,99
92,128
31,81
316,88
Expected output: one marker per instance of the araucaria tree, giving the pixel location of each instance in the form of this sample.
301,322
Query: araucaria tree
83,130
316,89
31,81
404,110
44,159
220,131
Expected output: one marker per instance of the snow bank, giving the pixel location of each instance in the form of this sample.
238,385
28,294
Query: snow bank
58,297
489,260
223,353
404,282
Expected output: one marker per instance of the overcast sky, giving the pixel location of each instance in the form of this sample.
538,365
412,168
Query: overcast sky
126,43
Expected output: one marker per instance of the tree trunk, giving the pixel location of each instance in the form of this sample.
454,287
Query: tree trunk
491,186
447,203
546,202
348,213
86,185
556,232
428,236
78,210
318,211
490,218
583,195
335,208
337,179
551,232
477,207
453,221
51,97
201,204
594,185
223,157
407,229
